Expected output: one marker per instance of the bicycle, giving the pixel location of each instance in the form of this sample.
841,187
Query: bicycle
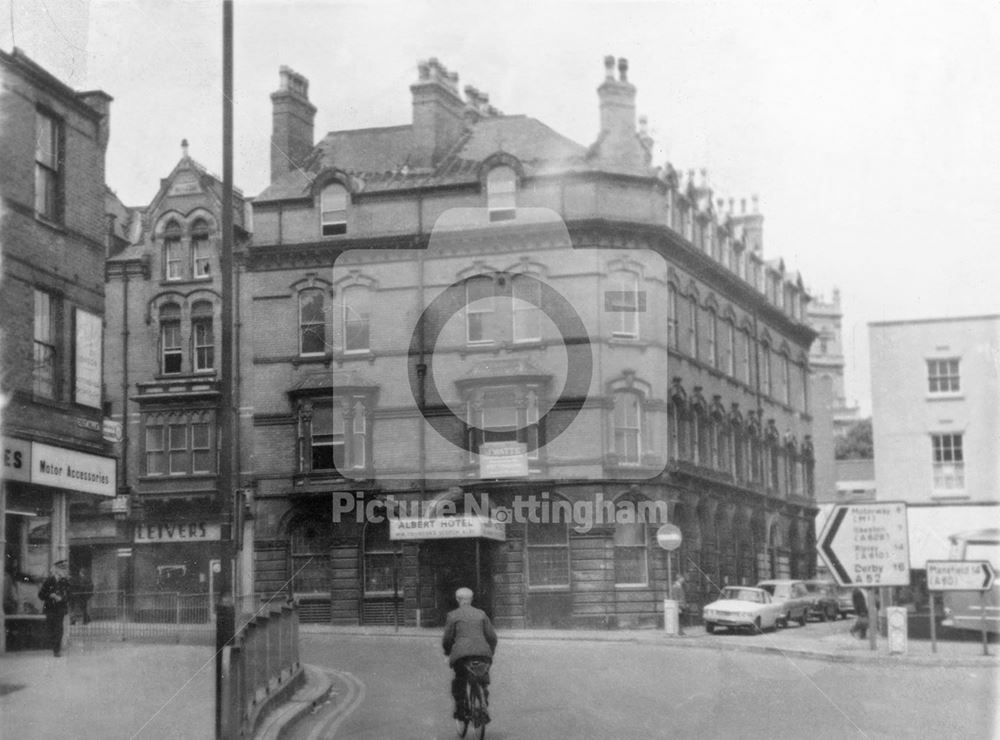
474,711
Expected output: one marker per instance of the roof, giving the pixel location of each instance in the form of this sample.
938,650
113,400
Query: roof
379,159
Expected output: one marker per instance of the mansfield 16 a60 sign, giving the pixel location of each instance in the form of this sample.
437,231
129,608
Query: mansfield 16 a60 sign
867,545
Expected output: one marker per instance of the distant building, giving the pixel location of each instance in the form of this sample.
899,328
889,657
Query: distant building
698,400
936,418
53,238
826,357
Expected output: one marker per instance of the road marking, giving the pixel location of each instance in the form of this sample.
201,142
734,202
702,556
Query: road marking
355,695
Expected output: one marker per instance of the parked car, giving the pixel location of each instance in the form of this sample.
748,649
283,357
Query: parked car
824,602
742,607
845,601
792,599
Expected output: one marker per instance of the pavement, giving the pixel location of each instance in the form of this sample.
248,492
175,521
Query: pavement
109,690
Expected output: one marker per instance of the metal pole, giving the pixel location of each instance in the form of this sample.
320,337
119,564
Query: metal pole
670,583
982,615
225,621
872,617
933,627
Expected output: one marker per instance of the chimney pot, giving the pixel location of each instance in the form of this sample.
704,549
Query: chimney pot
184,148
609,67
755,203
623,69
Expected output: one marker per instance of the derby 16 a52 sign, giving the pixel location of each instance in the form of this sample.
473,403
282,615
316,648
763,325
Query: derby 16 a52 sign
867,545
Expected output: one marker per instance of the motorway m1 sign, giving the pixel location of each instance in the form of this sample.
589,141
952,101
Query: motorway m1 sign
867,545
959,575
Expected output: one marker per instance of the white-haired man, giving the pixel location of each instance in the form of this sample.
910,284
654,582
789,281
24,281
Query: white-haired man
468,635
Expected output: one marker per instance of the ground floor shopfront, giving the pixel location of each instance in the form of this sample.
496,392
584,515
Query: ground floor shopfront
535,555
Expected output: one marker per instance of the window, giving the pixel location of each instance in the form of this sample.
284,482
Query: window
201,263
479,309
155,456
501,188
949,462
202,336
628,427
804,388
312,322
746,353
310,543
942,376
548,554
178,453
693,327
357,319
527,294
173,256
672,316
785,379
333,208
170,338
765,370
729,348
623,302
505,414
44,364
48,164
630,555
337,440
201,448
712,324
179,446
380,564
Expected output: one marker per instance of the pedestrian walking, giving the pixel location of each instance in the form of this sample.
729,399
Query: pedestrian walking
677,594
55,594
860,628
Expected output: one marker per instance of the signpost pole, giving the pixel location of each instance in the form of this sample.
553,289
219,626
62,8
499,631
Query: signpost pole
872,618
982,614
933,627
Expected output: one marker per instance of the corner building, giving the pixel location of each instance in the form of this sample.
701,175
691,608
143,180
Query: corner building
473,312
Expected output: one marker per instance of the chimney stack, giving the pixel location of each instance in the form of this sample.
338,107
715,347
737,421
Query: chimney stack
292,123
617,101
753,225
438,112
100,101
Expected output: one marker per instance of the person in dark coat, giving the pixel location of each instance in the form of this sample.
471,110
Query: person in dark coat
860,627
468,635
55,594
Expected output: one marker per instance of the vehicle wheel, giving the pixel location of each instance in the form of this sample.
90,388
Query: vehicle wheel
757,630
477,709
782,621
710,627
830,615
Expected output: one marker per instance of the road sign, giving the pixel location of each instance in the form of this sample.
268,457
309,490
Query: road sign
959,575
668,537
866,545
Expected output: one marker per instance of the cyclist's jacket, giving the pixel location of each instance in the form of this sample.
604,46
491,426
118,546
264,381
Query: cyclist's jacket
468,632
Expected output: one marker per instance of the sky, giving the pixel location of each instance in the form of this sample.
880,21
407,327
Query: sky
868,130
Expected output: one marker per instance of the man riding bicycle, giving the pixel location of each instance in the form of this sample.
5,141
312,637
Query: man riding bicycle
468,635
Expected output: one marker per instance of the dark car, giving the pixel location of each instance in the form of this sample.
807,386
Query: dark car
823,600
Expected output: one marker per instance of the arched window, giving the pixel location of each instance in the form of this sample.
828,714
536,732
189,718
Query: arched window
173,256
628,427
746,357
728,351
693,327
333,209
766,381
202,336
312,322
201,258
712,345
357,319
785,379
171,351
672,317
501,191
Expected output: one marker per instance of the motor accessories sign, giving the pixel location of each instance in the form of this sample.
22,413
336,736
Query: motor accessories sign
867,545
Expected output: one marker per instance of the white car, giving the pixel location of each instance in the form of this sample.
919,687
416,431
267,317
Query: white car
742,606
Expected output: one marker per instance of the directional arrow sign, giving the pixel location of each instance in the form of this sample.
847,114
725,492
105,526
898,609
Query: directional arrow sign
959,575
867,545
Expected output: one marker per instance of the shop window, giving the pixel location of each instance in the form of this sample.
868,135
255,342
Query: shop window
202,336
628,414
357,319
501,192
333,208
48,166
170,338
381,562
312,322
201,255
548,555
44,365
631,568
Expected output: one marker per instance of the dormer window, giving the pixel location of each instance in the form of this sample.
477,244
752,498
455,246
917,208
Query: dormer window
200,256
173,256
501,189
333,209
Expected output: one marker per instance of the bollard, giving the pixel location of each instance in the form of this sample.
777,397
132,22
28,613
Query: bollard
896,621
671,617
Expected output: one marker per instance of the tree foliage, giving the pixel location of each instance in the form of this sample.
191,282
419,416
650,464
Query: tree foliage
857,443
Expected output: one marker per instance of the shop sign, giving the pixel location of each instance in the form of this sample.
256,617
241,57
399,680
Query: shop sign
87,386
72,470
446,528
158,532
16,459
503,460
